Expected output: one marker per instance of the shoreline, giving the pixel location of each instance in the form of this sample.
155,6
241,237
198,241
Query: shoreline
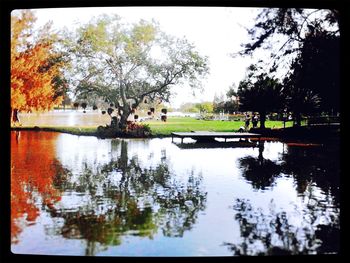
82,132
304,133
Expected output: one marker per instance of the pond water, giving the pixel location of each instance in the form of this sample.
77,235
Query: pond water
68,118
80,195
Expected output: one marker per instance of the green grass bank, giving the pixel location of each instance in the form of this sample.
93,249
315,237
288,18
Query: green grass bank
163,129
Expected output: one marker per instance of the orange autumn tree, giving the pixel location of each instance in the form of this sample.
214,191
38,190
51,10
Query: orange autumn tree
34,66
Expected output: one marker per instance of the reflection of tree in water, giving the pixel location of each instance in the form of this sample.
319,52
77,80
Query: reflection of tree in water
272,233
262,234
105,228
126,198
33,168
307,165
259,171
318,165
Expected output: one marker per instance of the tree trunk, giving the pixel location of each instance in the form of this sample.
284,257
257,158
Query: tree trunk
14,116
124,118
262,119
261,150
297,119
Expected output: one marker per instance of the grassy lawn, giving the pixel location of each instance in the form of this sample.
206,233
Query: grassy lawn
173,124
186,124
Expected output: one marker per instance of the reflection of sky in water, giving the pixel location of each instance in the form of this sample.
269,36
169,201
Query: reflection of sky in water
74,151
222,180
68,118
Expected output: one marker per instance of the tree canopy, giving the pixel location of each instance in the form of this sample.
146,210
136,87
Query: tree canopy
127,64
316,73
35,65
284,31
260,92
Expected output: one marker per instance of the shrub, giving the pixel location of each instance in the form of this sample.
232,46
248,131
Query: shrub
138,130
107,131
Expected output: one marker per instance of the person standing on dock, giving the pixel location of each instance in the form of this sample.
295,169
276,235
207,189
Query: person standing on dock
255,120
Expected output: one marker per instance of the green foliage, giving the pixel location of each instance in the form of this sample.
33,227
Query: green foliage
260,93
205,107
119,64
228,106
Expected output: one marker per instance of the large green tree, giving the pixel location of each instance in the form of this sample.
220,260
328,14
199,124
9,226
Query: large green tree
260,92
128,64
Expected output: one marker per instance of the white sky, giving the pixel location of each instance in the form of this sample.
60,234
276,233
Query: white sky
215,31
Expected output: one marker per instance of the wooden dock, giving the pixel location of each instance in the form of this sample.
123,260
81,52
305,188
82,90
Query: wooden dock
207,136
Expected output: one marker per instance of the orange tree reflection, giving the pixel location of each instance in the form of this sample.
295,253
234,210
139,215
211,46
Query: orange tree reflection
33,168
